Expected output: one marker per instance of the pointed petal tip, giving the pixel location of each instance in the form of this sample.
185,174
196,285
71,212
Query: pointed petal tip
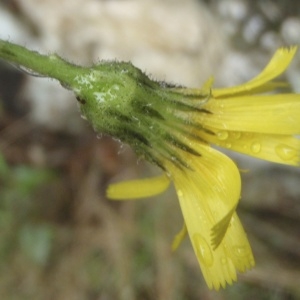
291,49
276,66
216,284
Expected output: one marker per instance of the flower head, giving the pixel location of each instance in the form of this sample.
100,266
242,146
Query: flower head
174,128
246,118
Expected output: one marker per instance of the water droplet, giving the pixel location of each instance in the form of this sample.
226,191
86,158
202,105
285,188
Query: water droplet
228,145
285,152
222,135
248,135
224,260
29,71
203,252
255,147
236,135
241,251
179,193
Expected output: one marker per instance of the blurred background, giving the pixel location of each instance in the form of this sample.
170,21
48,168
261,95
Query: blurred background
60,238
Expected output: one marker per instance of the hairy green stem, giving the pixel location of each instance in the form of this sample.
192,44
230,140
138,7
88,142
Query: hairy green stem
51,66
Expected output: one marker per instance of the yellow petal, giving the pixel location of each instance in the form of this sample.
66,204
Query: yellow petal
277,148
206,195
179,237
273,114
204,91
219,230
277,65
240,251
136,189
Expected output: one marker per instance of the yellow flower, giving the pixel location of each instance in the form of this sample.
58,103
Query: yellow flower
173,127
248,118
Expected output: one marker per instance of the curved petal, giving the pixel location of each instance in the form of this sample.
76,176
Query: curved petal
277,65
135,189
179,237
206,195
273,114
284,149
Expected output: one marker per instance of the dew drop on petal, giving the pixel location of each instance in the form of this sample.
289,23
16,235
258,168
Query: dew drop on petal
285,152
203,251
223,260
241,251
228,145
222,135
243,257
179,193
248,135
255,147
236,135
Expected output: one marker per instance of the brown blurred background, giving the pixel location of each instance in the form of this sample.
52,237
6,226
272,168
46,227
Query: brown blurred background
60,238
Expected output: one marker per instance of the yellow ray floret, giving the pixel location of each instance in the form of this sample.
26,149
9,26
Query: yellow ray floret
284,149
277,65
179,237
273,114
208,197
137,189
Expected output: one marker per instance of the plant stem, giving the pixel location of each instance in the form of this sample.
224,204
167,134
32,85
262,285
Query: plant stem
46,65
